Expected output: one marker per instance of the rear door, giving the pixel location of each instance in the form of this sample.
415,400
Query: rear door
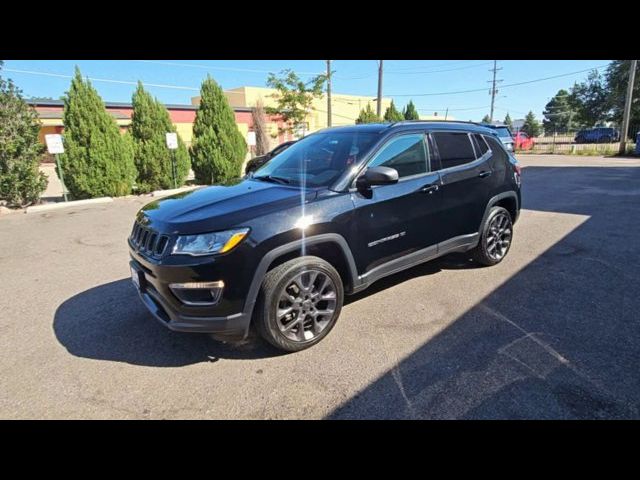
466,181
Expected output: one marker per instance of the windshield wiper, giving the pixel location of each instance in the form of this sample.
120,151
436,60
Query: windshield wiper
273,179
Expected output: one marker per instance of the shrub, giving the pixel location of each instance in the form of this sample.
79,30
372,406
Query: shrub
150,123
21,183
98,160
218,150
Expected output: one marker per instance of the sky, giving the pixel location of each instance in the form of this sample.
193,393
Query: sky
429,83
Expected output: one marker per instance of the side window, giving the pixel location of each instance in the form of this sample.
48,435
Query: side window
496,148
406,153
454,148
481,145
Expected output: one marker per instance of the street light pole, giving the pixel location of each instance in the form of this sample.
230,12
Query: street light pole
627,108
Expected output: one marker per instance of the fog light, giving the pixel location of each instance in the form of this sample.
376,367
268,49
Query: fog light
198,293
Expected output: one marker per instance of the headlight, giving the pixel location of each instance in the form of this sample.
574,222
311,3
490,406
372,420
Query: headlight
209,243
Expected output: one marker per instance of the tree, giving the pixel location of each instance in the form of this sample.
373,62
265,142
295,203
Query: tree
294,98
150,123
392,114
591,101
98,160
486,119
21,183
617,78
559,114
410,112
507,121
260,129
367,115
531,126
218,150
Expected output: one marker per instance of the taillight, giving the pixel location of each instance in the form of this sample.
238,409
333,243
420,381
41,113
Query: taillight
517,174
518,169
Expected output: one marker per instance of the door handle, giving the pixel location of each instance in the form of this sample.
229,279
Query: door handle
429,189
485,174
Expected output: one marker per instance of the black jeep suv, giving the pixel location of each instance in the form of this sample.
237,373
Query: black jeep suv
329,216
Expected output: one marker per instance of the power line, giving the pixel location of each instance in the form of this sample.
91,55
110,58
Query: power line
208,67
446,64
503,86
105,80
439,71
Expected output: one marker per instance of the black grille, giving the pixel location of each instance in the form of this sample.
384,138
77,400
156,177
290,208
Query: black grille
148,241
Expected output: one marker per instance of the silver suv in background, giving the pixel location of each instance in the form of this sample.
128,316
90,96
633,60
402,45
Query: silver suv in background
505,135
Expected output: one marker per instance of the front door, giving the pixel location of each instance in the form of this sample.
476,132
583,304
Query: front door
394,220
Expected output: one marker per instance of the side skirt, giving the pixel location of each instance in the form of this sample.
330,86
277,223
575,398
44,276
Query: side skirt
462,243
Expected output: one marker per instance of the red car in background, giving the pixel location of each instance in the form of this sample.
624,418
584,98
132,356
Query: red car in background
522,141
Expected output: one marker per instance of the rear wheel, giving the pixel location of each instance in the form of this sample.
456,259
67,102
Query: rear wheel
299,303
495,238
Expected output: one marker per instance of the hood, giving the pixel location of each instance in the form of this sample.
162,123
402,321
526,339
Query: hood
220,207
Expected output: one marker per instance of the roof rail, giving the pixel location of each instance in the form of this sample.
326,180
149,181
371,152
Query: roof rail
435,121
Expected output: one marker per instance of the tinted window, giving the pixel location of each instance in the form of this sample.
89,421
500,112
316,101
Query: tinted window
496,148
407,154
503,132
319,159
454,148
481,145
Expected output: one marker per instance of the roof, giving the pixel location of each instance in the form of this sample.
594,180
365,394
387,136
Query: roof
408,124
170,106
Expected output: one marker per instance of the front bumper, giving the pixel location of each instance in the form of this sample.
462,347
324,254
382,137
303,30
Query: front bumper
221,321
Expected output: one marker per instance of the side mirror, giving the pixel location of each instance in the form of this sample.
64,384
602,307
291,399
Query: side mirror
377,176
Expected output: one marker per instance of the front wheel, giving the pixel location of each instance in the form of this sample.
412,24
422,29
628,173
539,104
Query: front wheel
299,303
495,238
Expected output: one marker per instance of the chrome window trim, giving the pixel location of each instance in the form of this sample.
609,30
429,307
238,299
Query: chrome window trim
464,166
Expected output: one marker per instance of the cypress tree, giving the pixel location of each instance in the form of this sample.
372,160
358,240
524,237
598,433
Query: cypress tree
410,112
367,115
150,123
218,150
531,126
392,114
20,151
508,122
98,160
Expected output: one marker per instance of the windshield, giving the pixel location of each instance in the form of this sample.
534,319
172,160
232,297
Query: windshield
317,160
503,132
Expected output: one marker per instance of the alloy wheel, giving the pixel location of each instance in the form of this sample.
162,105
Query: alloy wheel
306,306
499,236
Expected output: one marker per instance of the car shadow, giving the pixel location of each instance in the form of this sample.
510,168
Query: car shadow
557,340
110,322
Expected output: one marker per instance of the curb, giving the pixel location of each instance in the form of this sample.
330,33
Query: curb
164,193
74,203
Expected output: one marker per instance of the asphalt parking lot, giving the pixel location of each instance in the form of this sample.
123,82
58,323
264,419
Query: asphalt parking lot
551,332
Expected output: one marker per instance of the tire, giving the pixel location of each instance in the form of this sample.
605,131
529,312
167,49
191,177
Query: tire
499,227
304,325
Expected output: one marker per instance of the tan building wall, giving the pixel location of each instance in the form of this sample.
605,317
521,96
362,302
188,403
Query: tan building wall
344,108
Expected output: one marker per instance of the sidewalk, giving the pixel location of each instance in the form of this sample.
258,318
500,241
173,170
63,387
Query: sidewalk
53,193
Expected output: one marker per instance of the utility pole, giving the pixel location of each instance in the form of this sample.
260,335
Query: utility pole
379,107
627,109
493,91
328,93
